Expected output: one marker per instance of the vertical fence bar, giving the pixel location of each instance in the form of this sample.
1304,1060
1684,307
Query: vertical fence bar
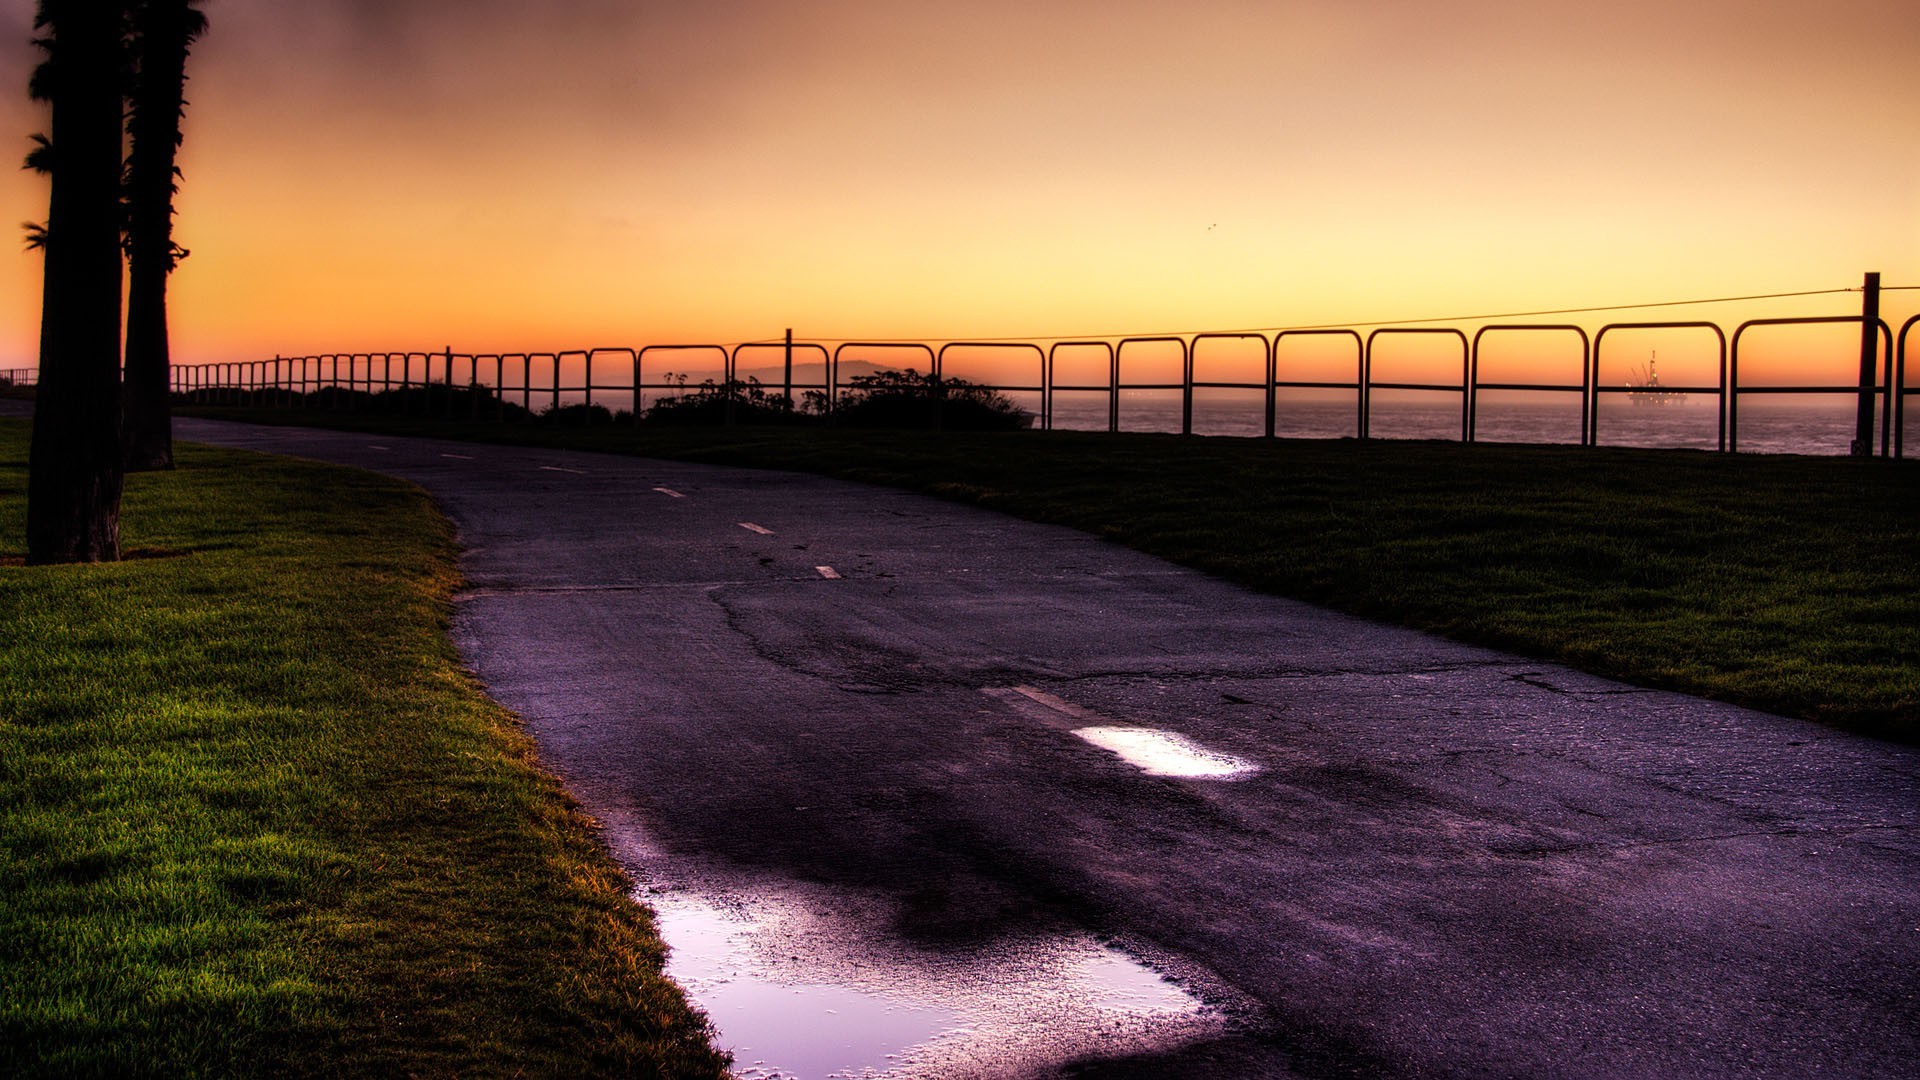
1869,338
1186,388
638,383
1898,389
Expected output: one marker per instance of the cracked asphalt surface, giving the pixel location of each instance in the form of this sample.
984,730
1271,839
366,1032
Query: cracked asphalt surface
1452,862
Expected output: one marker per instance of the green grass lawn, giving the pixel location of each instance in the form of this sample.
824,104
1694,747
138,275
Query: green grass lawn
1786,583
258,820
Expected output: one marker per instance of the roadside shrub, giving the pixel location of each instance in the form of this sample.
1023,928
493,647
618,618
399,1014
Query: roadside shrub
706,406
577,415
908,399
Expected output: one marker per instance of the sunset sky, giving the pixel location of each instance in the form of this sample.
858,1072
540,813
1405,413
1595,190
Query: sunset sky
495,175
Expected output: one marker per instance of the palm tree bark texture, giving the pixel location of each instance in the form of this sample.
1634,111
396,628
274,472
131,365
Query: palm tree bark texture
74,469
163,32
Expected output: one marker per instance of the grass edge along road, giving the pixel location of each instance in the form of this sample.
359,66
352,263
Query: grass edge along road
259,820
1785,583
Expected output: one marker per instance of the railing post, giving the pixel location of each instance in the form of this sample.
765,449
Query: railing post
1273,392
1869,342
939,389
1186,388
728,371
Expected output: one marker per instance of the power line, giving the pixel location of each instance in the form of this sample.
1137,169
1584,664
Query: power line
1333,326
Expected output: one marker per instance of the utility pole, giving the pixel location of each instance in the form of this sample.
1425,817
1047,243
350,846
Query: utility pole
1869,354
786,385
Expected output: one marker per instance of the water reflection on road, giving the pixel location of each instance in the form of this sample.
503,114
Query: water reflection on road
796,998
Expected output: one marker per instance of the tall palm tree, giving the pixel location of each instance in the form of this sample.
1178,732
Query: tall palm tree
74,469
163,32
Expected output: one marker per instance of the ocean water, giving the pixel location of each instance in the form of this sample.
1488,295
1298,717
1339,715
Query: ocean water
1772,424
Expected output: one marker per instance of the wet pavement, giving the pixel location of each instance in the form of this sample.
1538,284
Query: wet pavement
974,796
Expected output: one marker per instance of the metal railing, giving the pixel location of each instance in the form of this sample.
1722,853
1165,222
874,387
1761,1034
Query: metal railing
1734,389
487,386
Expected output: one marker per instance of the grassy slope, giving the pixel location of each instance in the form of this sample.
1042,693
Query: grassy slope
1786,583
257,820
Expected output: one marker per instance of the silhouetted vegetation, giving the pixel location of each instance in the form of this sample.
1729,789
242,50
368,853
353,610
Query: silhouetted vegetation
579,415
887,399
436,401
713,404
907,399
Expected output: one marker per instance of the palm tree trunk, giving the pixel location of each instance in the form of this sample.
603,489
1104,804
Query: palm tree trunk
74,473
163,32
148,419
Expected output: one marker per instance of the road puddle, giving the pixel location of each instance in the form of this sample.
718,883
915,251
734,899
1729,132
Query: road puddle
777,1026
795,997
1163,753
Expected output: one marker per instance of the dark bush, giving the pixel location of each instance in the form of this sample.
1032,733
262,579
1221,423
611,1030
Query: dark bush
578,415
707,405
908,399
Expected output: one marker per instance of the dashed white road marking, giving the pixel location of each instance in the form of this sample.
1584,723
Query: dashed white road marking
751,527
556,468
669,493
1064,708
372,446
458,457
828,572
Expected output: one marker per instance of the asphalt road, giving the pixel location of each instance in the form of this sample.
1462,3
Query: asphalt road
1450,862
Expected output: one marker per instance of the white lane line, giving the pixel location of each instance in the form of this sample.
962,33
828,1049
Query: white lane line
372,446
556,468
1151,750
457,457
669,493
751,527
1064,708
828,572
